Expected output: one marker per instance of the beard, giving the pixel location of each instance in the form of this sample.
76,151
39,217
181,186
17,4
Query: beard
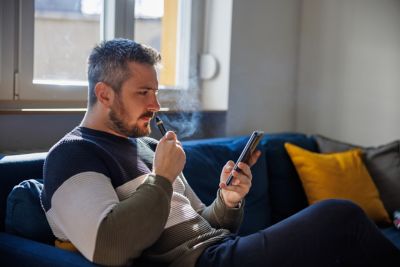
117,123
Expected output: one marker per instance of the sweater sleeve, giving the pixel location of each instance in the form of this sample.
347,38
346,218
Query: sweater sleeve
82,206
217,214
221,216
134,224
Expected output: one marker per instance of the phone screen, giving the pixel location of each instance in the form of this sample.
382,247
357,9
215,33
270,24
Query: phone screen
247,151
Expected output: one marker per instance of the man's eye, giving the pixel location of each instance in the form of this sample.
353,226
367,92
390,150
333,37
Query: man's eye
142,92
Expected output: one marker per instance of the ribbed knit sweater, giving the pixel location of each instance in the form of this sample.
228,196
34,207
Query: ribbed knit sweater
101,195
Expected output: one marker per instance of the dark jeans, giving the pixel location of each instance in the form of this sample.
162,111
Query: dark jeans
328,233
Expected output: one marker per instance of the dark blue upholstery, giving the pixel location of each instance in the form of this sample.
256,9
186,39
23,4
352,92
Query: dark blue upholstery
15,169
205,161
393,234
17,251
285,190
24,202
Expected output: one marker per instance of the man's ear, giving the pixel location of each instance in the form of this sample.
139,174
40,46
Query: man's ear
104,94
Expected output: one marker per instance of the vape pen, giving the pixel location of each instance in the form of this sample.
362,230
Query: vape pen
160,126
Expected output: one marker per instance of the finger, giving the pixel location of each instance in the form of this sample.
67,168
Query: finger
228,169
234,188
241,179
170,135
245,169
224,181
178,143
241,184
254,157
236,181
230,187
229,166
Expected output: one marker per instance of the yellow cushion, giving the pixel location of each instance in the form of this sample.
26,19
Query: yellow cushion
65,245
338,175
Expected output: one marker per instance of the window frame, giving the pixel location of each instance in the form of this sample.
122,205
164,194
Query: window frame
25,88
16,83
8,38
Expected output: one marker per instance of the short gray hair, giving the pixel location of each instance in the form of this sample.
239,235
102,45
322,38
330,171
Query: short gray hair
108,63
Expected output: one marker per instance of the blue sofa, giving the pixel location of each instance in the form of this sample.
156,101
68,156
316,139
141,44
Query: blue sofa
276,194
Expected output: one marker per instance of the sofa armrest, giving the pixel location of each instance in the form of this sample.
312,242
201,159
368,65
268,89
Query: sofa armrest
17,251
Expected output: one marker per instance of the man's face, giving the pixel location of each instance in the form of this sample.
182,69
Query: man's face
134,106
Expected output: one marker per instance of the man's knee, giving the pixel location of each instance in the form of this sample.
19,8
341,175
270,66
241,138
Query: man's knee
341,208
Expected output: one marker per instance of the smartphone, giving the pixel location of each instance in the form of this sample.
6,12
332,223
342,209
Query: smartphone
247,151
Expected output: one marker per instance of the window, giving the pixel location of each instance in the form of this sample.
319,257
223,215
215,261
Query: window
64,34
53,38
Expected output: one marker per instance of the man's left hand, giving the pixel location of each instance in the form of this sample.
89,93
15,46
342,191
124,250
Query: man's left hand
232,194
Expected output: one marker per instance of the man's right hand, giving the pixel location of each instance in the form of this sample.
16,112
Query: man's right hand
169,158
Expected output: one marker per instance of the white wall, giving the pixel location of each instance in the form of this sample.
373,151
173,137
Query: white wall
349,70
263,68
217,32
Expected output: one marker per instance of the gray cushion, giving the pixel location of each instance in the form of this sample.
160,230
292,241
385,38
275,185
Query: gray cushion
382,162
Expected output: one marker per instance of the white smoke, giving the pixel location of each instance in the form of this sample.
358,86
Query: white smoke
185,120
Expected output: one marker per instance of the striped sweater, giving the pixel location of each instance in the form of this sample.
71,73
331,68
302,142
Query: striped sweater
100,194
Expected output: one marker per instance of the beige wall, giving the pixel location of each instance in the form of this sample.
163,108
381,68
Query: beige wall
349,82
263,66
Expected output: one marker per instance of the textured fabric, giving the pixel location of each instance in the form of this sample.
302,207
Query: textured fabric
338,175
383,163
205,159
284,190
125,209
328,233
85,150
25,216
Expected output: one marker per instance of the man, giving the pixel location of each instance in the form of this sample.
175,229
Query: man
116,200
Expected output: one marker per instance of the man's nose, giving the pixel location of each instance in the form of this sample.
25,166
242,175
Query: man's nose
154,105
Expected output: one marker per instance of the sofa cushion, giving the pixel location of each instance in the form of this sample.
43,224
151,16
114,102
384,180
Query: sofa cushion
338,176
21,252
13,170
24,215
285,190
383,163
205,159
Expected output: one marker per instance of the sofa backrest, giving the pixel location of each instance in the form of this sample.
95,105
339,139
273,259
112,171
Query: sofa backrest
285,191
15,169
205,160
